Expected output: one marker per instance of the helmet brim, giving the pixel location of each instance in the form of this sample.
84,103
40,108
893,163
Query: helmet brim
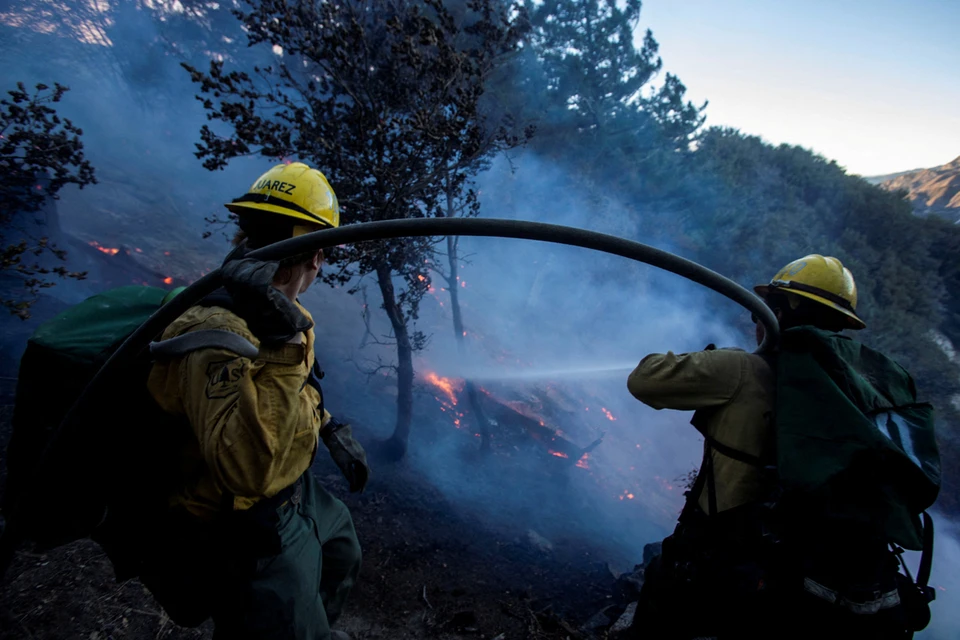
853,320
261,207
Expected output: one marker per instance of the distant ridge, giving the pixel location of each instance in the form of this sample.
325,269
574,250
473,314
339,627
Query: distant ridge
931,191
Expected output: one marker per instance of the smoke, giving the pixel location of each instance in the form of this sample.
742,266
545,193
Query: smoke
550,326
945,578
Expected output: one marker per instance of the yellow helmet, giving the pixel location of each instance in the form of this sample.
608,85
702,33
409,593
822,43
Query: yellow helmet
820,278
294,190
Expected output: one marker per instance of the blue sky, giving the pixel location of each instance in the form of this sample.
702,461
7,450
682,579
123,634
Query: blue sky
874,85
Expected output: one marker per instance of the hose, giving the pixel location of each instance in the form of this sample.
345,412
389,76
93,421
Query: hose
140,339
489,227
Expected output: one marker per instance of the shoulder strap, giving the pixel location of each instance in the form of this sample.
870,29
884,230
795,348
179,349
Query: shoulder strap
204,339
926,561
926,558
736,454
711,478
706,475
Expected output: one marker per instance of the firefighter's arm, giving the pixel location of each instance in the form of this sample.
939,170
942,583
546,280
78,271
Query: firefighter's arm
247,414
688,381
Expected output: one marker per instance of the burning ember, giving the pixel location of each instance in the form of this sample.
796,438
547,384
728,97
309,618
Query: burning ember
168,280
446,385
608,414
110,251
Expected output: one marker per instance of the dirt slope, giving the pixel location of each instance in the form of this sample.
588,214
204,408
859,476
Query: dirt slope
935,190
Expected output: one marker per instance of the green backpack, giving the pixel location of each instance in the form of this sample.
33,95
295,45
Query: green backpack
856,462
104,475
845,410
59,487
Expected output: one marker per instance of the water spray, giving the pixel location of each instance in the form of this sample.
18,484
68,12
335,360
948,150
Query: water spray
591,372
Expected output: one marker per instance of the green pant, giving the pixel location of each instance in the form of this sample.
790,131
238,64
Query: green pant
283,574
300,592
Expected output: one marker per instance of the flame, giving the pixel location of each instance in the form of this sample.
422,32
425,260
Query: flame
608,414
444,384
110,251
421,277
168,280
582,462
627,494
559,454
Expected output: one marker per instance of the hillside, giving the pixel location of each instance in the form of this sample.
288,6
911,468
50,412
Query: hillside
935,190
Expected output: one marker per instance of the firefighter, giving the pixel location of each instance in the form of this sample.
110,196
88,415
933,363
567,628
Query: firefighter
713,577
253,539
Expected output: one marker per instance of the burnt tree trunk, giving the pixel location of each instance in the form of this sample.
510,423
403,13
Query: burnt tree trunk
483,425
396,446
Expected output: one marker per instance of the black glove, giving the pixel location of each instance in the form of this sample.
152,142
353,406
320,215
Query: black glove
347,453
271,316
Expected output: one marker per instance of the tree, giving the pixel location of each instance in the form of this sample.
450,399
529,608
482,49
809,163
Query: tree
679,121
593,70
384,96
599,115
460,202
40,153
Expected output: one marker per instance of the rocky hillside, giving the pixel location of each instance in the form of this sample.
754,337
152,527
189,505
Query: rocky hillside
935,190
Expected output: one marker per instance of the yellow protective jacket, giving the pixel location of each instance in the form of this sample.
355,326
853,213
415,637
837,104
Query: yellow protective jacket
733,391
256,421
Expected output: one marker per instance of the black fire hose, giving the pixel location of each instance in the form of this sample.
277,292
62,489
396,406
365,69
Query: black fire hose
522,229
140,339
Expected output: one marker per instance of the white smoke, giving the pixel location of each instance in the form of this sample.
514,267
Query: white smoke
945,578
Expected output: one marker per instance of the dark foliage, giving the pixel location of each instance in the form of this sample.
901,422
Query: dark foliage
40,154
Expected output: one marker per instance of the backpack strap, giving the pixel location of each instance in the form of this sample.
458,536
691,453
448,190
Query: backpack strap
707,467
204,339
926,559
736,454
706,475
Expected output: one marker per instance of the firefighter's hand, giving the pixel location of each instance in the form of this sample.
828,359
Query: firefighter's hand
347,453
271,316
